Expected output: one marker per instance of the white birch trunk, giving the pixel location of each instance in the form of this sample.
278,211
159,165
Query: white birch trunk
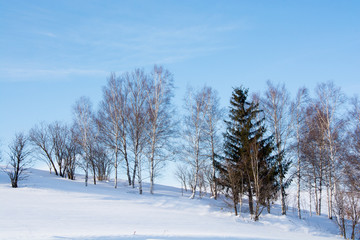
140,177
152,159
298,189
195,181
310,199
86,174
116,168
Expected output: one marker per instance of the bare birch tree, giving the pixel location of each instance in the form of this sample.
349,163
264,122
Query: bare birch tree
112,121
83,118
298,112
71,149
339,210
181,174
137,115
353,146
194,123
352,167
314,155
59,134
40,138
276,106
19,153
161,127
329,100
257,181
352,210
213,119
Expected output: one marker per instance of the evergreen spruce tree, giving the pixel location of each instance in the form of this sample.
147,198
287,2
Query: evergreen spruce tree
248,166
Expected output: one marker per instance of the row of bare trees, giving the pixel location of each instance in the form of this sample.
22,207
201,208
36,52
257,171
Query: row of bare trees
135,122
133,128
327,149
321,135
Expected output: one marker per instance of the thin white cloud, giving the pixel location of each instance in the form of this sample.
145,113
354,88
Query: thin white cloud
110,46
146,41
144,36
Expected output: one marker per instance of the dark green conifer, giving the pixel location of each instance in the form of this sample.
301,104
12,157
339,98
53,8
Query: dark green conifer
245,143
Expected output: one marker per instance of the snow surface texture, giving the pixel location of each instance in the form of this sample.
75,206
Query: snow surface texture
49,207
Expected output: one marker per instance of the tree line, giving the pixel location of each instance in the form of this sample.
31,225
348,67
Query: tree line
132,128
252,150
268,141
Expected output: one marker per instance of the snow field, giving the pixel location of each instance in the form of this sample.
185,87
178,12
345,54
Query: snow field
49,207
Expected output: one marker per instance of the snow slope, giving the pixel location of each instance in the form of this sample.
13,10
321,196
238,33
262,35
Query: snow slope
49,207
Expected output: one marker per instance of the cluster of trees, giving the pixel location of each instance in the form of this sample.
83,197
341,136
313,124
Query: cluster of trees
271,140
266,142
327,152
200,143
245,160
133,128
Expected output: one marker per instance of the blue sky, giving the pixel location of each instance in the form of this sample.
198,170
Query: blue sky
53,52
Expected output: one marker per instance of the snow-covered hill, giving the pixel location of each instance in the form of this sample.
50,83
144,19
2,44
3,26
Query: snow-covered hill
49,207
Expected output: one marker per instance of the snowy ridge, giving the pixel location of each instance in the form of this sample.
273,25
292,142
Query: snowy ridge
49,207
